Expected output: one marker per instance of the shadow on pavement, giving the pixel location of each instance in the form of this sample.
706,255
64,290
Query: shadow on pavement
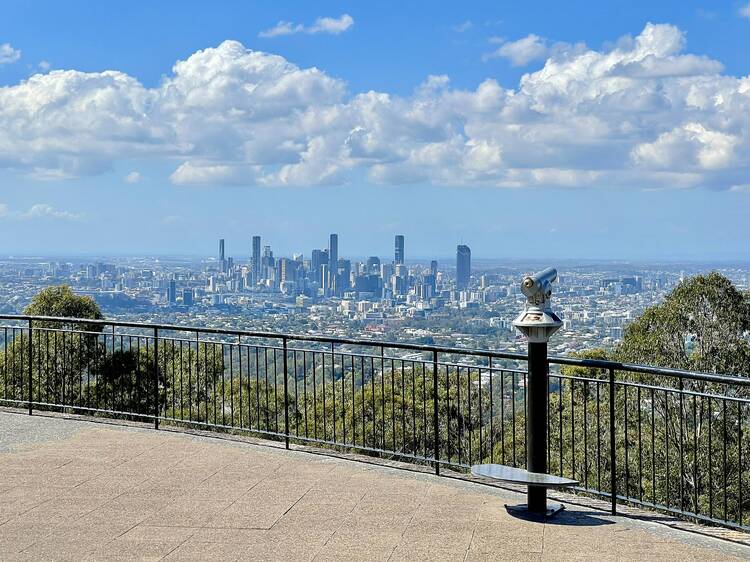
571,518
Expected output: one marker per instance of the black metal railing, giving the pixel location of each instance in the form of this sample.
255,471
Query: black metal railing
660,438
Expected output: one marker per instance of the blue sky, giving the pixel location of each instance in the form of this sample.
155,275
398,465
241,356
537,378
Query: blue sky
602,130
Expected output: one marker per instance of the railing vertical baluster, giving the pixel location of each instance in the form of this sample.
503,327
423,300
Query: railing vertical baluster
286,395
739,460
653,446
156,378
435,423
682,449
612,450
625,439
598,439
724,458
239,360
549,428
640,448
710,462
585,435
31,367
492,425
304,387
333,389
382,394
572,429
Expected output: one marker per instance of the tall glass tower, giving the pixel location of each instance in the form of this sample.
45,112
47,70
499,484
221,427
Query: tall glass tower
399,257
256,258
463,266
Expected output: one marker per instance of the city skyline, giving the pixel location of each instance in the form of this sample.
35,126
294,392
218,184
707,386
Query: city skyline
638,150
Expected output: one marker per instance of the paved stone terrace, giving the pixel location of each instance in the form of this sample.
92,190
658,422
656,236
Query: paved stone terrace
77,490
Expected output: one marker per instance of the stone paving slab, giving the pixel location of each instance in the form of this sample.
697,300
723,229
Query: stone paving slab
77,490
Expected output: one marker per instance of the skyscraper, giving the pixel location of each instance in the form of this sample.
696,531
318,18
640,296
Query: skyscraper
256,259
172,292
187,297
222,262
373,265
333,260
463,266
399,249
317,259
333,249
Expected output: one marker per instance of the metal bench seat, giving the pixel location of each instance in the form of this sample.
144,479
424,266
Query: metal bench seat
521,476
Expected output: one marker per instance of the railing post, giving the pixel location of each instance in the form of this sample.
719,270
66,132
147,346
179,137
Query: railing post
612,448
286,396
435,421
31,363
156,378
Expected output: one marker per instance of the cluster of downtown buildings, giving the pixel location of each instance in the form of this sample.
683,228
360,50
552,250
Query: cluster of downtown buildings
325,274
399,299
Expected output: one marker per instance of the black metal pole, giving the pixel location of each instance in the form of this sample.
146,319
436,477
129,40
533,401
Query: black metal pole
286,396
435,422
612,443
536,423
31,367
156,378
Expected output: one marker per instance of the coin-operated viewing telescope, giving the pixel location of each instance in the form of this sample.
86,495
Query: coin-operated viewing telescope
537,321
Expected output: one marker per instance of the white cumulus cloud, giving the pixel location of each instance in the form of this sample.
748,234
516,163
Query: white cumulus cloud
8,54
42,210
37,211
523,51
133,177
330,25
641,114
745,11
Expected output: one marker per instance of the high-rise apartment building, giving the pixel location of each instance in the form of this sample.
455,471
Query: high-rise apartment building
399,255
463,266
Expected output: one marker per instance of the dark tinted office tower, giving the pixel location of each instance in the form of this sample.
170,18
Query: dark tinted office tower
373,265
333,249
172,291
187,297
317,259
256,258
463,266
399,249
222,263
345,272
433,268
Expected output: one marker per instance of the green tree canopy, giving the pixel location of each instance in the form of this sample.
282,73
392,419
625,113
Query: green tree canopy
702,325
60,300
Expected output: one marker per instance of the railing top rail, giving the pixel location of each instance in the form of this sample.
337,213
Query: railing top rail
556,360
